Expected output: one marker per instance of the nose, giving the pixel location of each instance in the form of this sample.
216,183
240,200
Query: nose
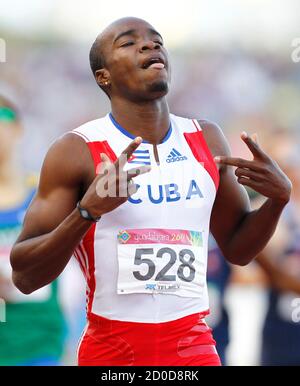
149,45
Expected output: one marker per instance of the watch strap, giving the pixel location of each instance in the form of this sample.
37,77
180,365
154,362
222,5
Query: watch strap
84,213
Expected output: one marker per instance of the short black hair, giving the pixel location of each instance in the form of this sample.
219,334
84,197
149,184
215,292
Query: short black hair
97,60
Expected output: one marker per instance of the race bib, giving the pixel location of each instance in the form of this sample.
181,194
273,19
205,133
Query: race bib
161,261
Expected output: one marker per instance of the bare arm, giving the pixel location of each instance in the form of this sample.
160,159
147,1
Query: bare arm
53,226
240,232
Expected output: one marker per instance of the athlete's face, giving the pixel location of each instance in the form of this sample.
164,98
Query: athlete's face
137,65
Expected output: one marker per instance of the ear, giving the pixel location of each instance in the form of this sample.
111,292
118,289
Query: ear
102,77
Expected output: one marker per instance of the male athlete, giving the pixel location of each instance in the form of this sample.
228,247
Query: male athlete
144,255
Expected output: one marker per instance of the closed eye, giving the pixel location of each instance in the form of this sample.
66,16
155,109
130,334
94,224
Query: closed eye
159,42
127,44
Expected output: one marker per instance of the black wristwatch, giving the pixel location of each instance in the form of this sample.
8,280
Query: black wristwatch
86,214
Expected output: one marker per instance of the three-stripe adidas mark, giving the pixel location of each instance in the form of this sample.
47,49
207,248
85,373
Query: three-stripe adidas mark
175,156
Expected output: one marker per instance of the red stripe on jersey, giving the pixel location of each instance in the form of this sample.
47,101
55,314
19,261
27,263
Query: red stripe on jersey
82,252
96,149
200,149
82,267
88,243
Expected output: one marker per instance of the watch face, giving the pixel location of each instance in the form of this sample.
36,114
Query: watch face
85,214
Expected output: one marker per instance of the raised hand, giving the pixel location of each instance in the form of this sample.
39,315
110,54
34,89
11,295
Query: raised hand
113,186
262,174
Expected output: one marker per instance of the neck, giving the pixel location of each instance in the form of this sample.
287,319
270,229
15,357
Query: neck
149,120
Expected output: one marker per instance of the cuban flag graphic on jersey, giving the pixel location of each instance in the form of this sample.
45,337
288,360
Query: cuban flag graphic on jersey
140,157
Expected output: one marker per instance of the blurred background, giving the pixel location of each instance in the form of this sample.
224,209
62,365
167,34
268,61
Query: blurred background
233,62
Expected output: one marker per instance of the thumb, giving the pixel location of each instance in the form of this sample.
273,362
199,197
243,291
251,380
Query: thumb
104,158
255,138
104,164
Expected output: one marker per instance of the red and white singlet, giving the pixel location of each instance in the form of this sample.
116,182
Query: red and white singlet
145,262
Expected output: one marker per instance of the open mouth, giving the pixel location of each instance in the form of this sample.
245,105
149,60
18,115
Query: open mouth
156,63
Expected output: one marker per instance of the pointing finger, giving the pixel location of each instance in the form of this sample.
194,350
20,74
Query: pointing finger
255,138
135,172
237,162
253,145
127,153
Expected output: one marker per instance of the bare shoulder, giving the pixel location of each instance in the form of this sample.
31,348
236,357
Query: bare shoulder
68,162
63,181
215,138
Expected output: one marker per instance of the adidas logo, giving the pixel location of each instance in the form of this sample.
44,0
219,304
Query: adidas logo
175,156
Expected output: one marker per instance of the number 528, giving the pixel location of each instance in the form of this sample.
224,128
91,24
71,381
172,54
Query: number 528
186,258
